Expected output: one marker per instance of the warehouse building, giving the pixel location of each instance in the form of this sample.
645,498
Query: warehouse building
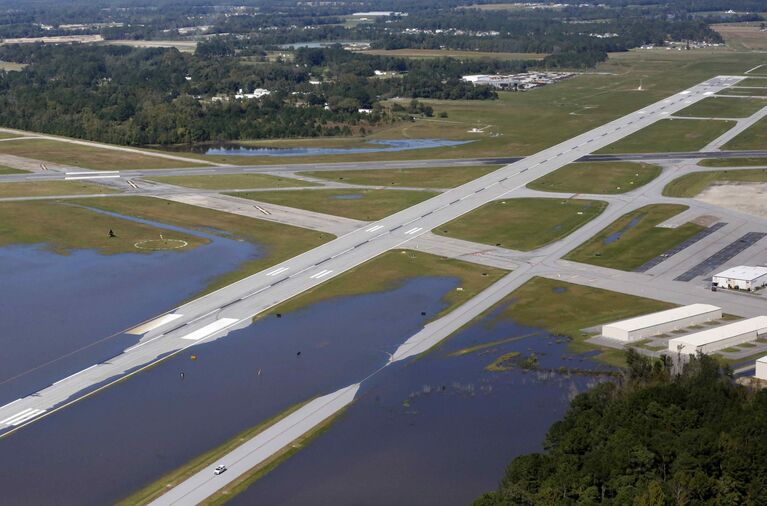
742,277
761,368
653,324
719,338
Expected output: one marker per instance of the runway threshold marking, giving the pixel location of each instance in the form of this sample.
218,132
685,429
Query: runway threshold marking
321,274
277,271
22,416
209,329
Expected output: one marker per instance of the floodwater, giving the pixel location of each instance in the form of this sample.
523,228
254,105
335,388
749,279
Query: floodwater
105,447
62,313
617,235
386,146
439,430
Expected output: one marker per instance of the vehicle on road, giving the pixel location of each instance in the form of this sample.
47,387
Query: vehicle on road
219,469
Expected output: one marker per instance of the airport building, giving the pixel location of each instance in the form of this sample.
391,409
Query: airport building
761,368
718,338
742,277
658,323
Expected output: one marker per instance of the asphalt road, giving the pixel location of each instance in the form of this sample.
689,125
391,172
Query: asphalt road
232,307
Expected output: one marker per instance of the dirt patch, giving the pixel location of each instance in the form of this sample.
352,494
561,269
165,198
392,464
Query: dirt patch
746,197
705,220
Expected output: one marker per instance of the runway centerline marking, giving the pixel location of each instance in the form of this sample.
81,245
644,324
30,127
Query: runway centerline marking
413,230
277,271
321,274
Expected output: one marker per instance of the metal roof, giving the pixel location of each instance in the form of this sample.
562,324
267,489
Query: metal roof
743,273
719,333
670,315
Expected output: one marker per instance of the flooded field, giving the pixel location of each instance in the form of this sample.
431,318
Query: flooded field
106,447
386,146
440,429
62,313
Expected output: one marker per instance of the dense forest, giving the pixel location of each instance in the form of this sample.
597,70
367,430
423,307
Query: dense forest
161,96
652,439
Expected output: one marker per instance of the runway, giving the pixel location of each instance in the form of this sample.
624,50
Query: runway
231,307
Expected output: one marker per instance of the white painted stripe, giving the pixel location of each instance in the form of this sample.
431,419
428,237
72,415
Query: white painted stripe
277,271
209,329
413,230
90,177
20,414
75,374
153,324
373,229
320,274
263,210
91,172
27,417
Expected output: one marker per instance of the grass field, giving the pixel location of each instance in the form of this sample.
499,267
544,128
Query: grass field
635,239
740,36
50,188
88,157
63,228
692,184
366,205
670,135
528,122
280,242
756,82
522,224
720,107
393,268
732,162
8,135
438,177
565,308
597,177
9,170
755,137
443,53
185,46
9,66
232,181
744,92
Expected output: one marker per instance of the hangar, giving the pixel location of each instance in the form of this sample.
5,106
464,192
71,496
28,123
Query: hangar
761,368
664,321
742,277
719,338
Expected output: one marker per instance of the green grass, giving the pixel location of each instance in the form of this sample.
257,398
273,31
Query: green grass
670,135
63,228
531,121
754,82
446,53
732,162
232,181
9,170
523,224
152,491
720,107
438,177
743,92
597,177
49,188
8,135
639,244
692,184
503,363
279,242
754,137
89,157
565,309
372,204
390,270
